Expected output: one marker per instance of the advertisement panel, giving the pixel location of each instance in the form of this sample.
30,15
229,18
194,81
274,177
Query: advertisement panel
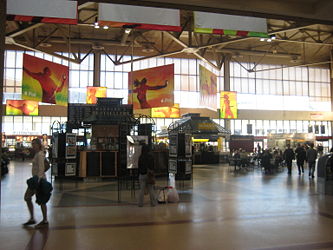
166,112
208,88
228,104
21,107
151,88
94,92
44,81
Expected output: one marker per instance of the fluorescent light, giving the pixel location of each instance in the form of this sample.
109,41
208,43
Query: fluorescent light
269,40
105,27
262,39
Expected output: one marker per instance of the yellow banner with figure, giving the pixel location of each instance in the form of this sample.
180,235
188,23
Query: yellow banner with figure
228,103
166,112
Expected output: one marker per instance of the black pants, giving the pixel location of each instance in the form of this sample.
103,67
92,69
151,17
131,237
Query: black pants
289,164
300,165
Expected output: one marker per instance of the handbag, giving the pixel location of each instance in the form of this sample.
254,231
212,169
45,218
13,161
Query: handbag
150,178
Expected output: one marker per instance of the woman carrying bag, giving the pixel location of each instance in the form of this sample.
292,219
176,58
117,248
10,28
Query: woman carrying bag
146,175
38,173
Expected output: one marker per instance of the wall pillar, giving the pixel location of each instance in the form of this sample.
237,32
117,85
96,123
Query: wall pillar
97,69
226,75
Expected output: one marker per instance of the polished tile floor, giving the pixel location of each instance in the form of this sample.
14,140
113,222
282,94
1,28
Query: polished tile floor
220,209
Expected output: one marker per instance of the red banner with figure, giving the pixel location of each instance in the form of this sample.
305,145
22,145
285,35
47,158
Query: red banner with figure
21,107
208,88
94,92
151,88
228,104
44,81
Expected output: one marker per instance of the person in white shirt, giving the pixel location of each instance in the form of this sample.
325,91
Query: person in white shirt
38,169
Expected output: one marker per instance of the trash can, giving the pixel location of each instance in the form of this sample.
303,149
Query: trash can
325,174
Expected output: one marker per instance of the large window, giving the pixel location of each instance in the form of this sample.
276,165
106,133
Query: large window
270,87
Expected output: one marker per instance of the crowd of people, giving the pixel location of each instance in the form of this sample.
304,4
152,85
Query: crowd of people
271,159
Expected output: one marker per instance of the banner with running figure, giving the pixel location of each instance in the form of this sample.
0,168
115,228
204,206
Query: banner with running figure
21,107
151,88
208,88
94,92
166,112
44,81
228,102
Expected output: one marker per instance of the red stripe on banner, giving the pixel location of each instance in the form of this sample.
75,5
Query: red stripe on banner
23,18
242,33
59,20
218,31
141,26
42,19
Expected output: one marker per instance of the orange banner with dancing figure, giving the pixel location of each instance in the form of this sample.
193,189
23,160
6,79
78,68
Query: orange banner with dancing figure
21,107
166,112
94,92
208,88
44,81
228,104
151,88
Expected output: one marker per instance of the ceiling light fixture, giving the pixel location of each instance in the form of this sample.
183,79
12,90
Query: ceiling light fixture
105,27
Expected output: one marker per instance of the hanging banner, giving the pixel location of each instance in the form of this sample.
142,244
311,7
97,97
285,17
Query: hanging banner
94,92
151,88
228,102
208,88
232,25
138,17
166,112
46,11
44,81
21,107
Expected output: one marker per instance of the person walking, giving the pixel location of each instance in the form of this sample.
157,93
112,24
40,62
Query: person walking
311,156
300,158
146,175
288,156
38,173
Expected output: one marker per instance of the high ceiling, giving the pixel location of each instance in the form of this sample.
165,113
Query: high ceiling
298,41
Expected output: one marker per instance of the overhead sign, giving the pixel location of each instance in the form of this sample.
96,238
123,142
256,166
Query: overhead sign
138,17
48,11
205,22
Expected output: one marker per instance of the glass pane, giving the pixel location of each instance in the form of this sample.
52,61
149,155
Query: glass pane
118,80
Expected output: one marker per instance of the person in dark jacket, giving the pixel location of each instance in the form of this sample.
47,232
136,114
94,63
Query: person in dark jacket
288,157
300,158
311,156
146,173
266,161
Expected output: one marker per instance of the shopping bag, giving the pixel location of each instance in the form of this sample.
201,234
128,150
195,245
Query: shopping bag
173,195
162,196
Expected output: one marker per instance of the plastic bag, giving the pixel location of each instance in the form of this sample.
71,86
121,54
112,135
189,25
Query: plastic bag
173,195
162,196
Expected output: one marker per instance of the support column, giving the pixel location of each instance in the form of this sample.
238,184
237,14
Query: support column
226,74
331,84
97,69
3,8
